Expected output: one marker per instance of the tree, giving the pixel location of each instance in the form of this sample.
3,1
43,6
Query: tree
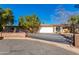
73,21
31,23
1,13
6,17
9,16
21,21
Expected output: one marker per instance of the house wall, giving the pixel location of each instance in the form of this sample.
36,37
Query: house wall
52,30
46,30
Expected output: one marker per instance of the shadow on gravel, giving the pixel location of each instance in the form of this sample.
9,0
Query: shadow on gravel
52,40
50,37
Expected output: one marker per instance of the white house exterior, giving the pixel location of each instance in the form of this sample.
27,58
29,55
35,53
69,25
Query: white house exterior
47,28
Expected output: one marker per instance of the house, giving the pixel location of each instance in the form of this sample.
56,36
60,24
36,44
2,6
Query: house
45,28
54,28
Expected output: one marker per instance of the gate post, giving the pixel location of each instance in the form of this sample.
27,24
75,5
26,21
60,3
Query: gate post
77,40
1,37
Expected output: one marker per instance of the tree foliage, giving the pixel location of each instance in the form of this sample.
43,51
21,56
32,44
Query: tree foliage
6,17
73,21
31,23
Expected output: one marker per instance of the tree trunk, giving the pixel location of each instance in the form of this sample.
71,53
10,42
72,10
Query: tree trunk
73,31
3,28
1,37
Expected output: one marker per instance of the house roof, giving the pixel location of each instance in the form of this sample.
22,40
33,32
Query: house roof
50,25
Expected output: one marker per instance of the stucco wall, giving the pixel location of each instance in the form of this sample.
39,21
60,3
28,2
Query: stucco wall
46,30
10,34
77,40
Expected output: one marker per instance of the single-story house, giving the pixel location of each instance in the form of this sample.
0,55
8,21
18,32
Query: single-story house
54,28
45,28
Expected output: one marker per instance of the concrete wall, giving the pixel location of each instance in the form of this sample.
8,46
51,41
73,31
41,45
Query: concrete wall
76,40
10,34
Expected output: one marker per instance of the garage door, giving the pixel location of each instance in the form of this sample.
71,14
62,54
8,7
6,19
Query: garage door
46,30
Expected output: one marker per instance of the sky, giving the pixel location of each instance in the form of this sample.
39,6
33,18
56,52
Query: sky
47,13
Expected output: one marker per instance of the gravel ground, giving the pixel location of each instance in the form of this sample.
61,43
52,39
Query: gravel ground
28,47
49,37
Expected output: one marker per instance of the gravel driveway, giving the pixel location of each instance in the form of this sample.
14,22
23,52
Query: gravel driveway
28,47
49,37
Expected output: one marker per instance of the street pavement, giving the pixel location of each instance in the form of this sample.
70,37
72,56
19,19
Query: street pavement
29,47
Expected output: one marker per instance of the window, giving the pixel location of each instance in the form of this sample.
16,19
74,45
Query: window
57,29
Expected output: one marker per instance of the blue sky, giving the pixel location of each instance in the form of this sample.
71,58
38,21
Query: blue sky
47,13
